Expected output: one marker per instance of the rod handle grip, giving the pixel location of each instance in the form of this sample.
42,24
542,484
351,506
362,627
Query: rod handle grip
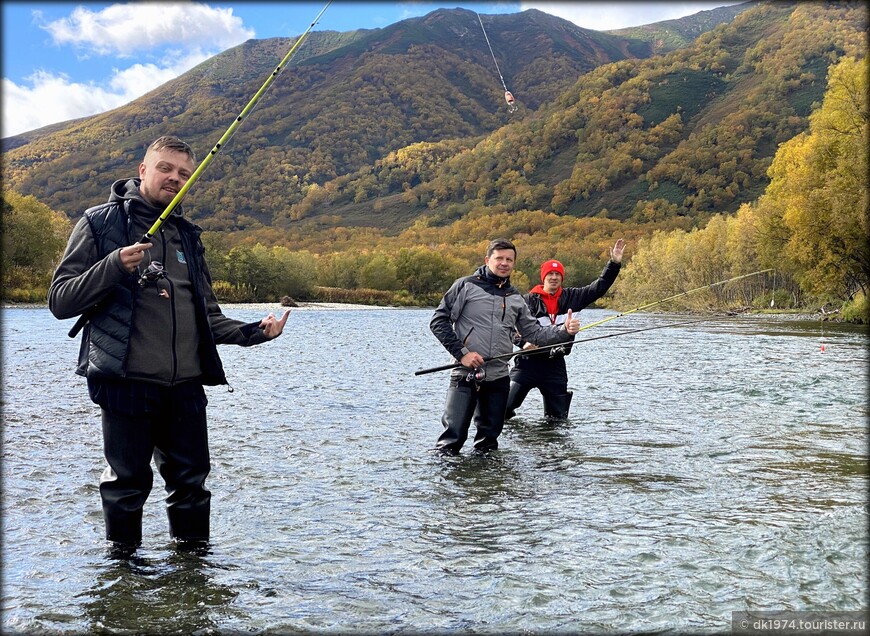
434,369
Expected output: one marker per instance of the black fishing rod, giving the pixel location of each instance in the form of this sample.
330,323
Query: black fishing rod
608,319
229,133
664,300
524,352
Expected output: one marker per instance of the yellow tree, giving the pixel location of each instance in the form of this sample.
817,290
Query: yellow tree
33,239
819,183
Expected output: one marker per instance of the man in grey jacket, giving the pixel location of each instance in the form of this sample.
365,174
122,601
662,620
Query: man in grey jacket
150,325
475,321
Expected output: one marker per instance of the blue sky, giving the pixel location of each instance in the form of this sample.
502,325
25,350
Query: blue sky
63,60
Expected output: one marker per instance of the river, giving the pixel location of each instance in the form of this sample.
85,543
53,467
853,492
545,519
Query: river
705,469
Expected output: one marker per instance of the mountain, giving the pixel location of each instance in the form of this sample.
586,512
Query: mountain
669,35
344,102
682,135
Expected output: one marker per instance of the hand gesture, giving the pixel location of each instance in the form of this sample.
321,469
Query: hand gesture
272,327
572,325
616,252
132,255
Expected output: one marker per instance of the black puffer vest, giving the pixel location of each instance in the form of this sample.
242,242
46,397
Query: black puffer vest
106,336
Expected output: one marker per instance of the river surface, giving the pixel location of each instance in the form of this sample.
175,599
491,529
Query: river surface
705,469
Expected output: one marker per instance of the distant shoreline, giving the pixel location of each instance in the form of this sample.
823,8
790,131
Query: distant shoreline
277,307
273,307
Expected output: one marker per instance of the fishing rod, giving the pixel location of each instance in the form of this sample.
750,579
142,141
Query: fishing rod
664,300
156,268
608,319
536,350
146,238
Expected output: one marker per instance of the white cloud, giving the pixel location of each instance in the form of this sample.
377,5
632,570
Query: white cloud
52,98
605,16
193,31
122,29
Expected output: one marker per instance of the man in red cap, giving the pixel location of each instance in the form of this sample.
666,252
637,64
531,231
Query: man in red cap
550,303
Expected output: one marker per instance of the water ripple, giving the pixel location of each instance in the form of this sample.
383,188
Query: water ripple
704,470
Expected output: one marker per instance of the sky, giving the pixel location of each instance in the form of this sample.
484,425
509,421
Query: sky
65,60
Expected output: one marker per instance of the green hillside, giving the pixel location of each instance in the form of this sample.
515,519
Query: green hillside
669,35
383,161
380,128
685,134
346,101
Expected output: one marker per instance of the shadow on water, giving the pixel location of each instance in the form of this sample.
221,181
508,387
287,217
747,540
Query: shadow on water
540,432
480,478
475,492
171,595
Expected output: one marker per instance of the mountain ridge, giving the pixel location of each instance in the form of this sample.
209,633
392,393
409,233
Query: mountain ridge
381,127
347,100
684,134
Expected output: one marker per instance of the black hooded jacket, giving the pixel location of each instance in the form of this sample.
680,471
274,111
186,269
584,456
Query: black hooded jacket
164,332
550,364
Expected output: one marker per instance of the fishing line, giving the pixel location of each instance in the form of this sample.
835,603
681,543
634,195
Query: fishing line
608,319
231,130
525,352
509,98
664,300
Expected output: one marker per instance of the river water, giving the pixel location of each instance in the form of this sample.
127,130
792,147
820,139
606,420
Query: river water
705,469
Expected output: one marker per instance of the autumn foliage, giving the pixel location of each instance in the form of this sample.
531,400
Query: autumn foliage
742,150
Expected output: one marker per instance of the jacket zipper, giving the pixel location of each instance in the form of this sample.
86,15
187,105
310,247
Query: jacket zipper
172,316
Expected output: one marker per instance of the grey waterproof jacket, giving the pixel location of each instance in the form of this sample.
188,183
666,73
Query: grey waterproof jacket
480,313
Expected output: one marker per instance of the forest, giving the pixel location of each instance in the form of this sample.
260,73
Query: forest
741,151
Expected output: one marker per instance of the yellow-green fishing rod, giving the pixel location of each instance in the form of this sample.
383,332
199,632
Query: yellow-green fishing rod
232,129
675,296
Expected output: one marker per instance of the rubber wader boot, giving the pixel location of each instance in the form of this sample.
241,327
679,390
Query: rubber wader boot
123,527
456,418
489,417
516,397
189,524
557,406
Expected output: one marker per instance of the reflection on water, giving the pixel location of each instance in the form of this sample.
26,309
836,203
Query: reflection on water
170,593
705,469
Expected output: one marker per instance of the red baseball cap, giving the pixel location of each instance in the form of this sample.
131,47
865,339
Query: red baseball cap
552,266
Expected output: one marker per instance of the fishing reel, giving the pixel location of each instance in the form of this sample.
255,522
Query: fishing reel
153,273
476,375
558,351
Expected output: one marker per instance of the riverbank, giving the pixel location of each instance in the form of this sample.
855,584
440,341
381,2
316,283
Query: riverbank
791,314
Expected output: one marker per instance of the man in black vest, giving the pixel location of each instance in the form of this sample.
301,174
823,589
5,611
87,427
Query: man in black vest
550,303
150,325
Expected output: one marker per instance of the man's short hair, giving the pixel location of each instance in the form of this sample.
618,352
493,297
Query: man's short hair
168,142
500,244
